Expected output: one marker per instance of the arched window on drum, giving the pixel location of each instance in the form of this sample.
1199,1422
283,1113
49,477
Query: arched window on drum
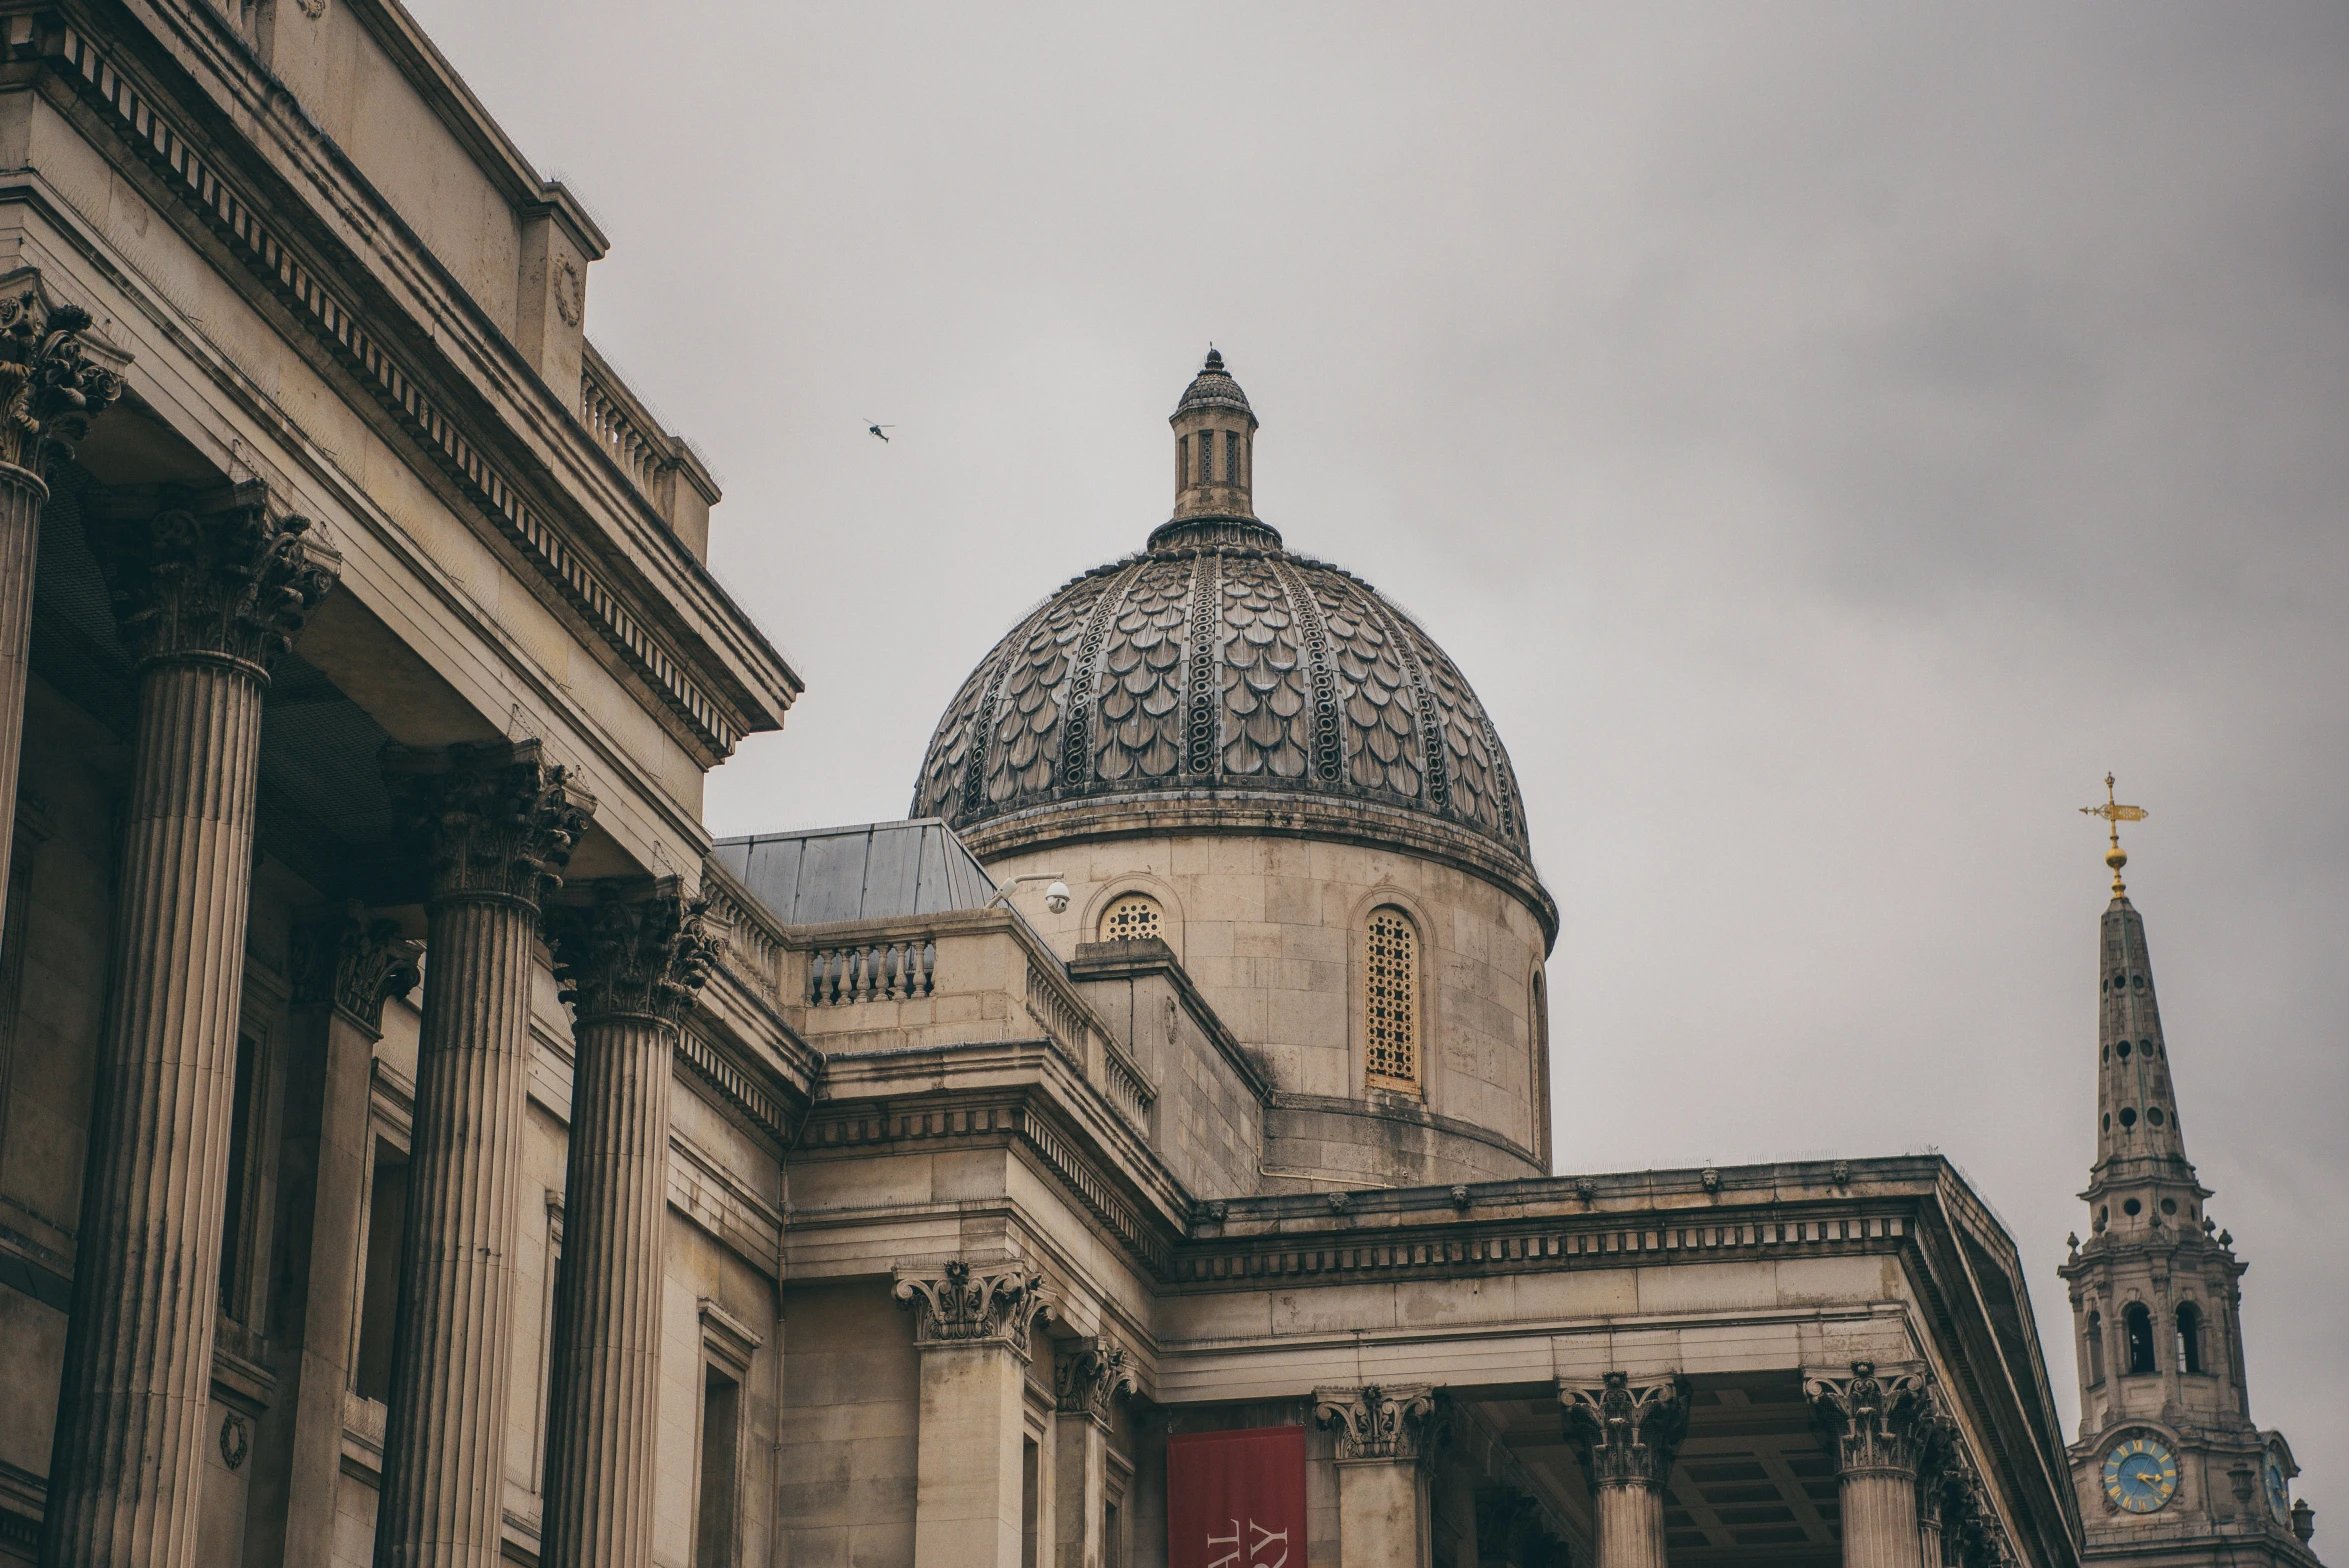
1390,1000
1133,917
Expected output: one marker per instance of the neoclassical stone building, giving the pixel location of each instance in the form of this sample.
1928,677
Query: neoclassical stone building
421,1144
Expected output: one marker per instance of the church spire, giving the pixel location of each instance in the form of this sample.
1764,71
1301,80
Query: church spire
2137,1132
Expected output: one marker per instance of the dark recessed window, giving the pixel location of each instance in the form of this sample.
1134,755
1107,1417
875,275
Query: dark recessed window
2124,1050
2139,1323
2128,1116
2132,1208
2154,1115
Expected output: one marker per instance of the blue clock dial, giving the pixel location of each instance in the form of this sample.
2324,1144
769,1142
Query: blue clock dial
2140,1474
2279,1491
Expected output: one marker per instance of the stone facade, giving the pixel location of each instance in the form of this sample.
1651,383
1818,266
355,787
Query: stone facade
421,1144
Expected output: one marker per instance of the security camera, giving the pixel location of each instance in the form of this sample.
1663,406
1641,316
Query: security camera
1056,898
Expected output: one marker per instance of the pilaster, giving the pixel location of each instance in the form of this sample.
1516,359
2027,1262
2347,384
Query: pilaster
205,596
1387,1436
631,963
1087,1376
496,825
1629,1433
1879,1424
49,393
972,1323
346,966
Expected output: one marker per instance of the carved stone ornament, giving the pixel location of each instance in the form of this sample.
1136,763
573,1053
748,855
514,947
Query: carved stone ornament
1874,1422
1087,1375
354,965
236,1440
643,956
213,579
495,821
992,1303
1399,1422
570,292
1628,1432
49,389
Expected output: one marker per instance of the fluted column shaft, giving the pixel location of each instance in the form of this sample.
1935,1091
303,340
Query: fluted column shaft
128,1457
1630,1518
607,1347
52,393
21,497
452,1343
497,824
1880,1519
630,967
205,600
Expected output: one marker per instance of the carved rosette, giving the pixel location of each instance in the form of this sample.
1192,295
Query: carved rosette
222,582
1628,1433
354,965
623,956
1401,1423
49,389
990,1304
494,822
1088,1374
1875,1422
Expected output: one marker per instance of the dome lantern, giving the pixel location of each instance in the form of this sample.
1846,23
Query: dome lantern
1215,438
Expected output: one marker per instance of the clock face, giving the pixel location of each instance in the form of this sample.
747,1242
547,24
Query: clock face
2140,1474
2279,1491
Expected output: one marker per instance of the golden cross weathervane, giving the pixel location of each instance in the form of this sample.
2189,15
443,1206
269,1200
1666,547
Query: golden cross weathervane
2115,813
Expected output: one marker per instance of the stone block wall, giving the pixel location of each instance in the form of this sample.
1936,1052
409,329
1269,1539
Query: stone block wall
846,1460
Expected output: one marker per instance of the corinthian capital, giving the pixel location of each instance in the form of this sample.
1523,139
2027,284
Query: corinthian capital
991,1303
1876,1421
640,953
1088,1374
1628,1432
1397,1421
221,578
354,965
49,388
493,822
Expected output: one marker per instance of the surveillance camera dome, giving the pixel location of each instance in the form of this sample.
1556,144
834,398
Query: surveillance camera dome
1056,897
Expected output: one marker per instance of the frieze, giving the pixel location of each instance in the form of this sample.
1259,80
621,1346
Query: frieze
234,219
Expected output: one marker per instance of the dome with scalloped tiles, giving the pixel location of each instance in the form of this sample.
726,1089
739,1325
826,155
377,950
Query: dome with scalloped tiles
1219,670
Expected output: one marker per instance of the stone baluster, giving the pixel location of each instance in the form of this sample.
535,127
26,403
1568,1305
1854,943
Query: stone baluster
972,1325
1087,1375
630,968
1386,1442
207,596
50,392
1879,1425
346,966
497,825
1628,1434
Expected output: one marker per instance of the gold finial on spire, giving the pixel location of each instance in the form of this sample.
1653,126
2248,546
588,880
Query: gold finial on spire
2115,813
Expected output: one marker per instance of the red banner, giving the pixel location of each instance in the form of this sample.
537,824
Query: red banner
1236,1499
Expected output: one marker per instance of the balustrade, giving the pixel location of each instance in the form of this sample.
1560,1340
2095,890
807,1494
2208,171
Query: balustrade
640,449
893,971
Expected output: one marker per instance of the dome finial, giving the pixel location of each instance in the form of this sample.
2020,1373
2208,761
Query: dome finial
1214,358
1215,445
2115,813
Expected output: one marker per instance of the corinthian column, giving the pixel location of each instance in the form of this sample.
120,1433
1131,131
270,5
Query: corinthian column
1086,1376
1628,1433
630,968
1386,1439
49,393
206,599
1879,1426
497,824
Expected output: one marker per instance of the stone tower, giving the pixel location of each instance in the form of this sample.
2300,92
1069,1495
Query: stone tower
2169,1467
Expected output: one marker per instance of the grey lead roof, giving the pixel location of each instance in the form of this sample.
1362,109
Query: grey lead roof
874,871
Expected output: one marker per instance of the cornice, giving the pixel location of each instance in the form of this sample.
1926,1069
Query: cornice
1261,813
222,203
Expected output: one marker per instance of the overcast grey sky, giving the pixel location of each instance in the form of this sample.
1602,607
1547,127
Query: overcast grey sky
1829,438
